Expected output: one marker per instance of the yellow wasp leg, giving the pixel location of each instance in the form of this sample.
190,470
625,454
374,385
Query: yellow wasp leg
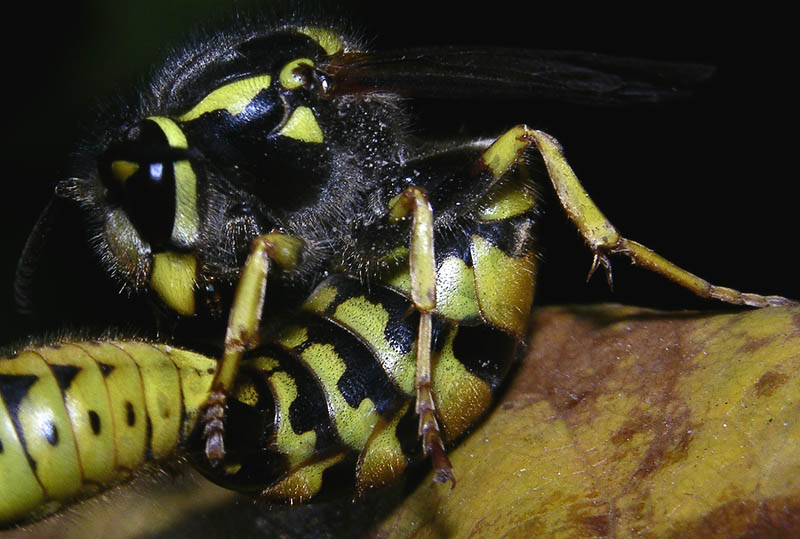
242,331
422,264
596,229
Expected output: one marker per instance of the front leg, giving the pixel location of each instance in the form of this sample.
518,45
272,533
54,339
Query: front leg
242,332
598,232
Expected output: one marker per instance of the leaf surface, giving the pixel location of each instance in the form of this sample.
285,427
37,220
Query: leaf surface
624,421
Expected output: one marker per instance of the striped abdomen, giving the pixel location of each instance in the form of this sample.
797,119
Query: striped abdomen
332,394
78,416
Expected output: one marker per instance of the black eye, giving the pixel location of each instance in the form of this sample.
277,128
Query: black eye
139,174
149,200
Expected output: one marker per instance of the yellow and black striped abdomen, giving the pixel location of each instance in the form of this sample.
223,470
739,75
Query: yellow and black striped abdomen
76,417
332,394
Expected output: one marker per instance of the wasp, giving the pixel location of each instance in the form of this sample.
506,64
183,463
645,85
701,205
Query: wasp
341,295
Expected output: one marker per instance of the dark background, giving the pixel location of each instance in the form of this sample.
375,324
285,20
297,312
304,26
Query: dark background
707,183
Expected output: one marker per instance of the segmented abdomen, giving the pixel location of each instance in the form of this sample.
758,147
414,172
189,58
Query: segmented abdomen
78,416
332,394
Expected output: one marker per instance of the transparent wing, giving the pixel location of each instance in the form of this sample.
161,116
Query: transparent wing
505,73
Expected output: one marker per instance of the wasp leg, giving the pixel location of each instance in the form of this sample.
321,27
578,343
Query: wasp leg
596,229
242,332
422,262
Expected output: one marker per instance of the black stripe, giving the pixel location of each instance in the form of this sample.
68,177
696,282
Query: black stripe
130,414
364,376
401,328
105,368
485,352
407,434
14,388
50,433
94,422
338,478
64,375
309,411
513,236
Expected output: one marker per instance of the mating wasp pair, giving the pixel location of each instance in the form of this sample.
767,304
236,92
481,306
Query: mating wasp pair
340,295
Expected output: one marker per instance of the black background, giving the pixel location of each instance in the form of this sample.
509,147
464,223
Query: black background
708,183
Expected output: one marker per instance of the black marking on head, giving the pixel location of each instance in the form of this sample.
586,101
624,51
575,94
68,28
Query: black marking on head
94,422
65,374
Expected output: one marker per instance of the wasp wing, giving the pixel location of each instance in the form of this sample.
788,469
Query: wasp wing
504,73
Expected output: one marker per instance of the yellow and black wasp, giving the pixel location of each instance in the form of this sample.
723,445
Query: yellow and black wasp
396,272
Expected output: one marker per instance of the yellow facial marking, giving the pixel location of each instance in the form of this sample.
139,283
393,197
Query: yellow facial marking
297,447
302,125
122,170
291,80
326,39
186,224
232,97
173,279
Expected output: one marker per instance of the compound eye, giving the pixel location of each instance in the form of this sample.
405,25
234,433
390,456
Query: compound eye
139,176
